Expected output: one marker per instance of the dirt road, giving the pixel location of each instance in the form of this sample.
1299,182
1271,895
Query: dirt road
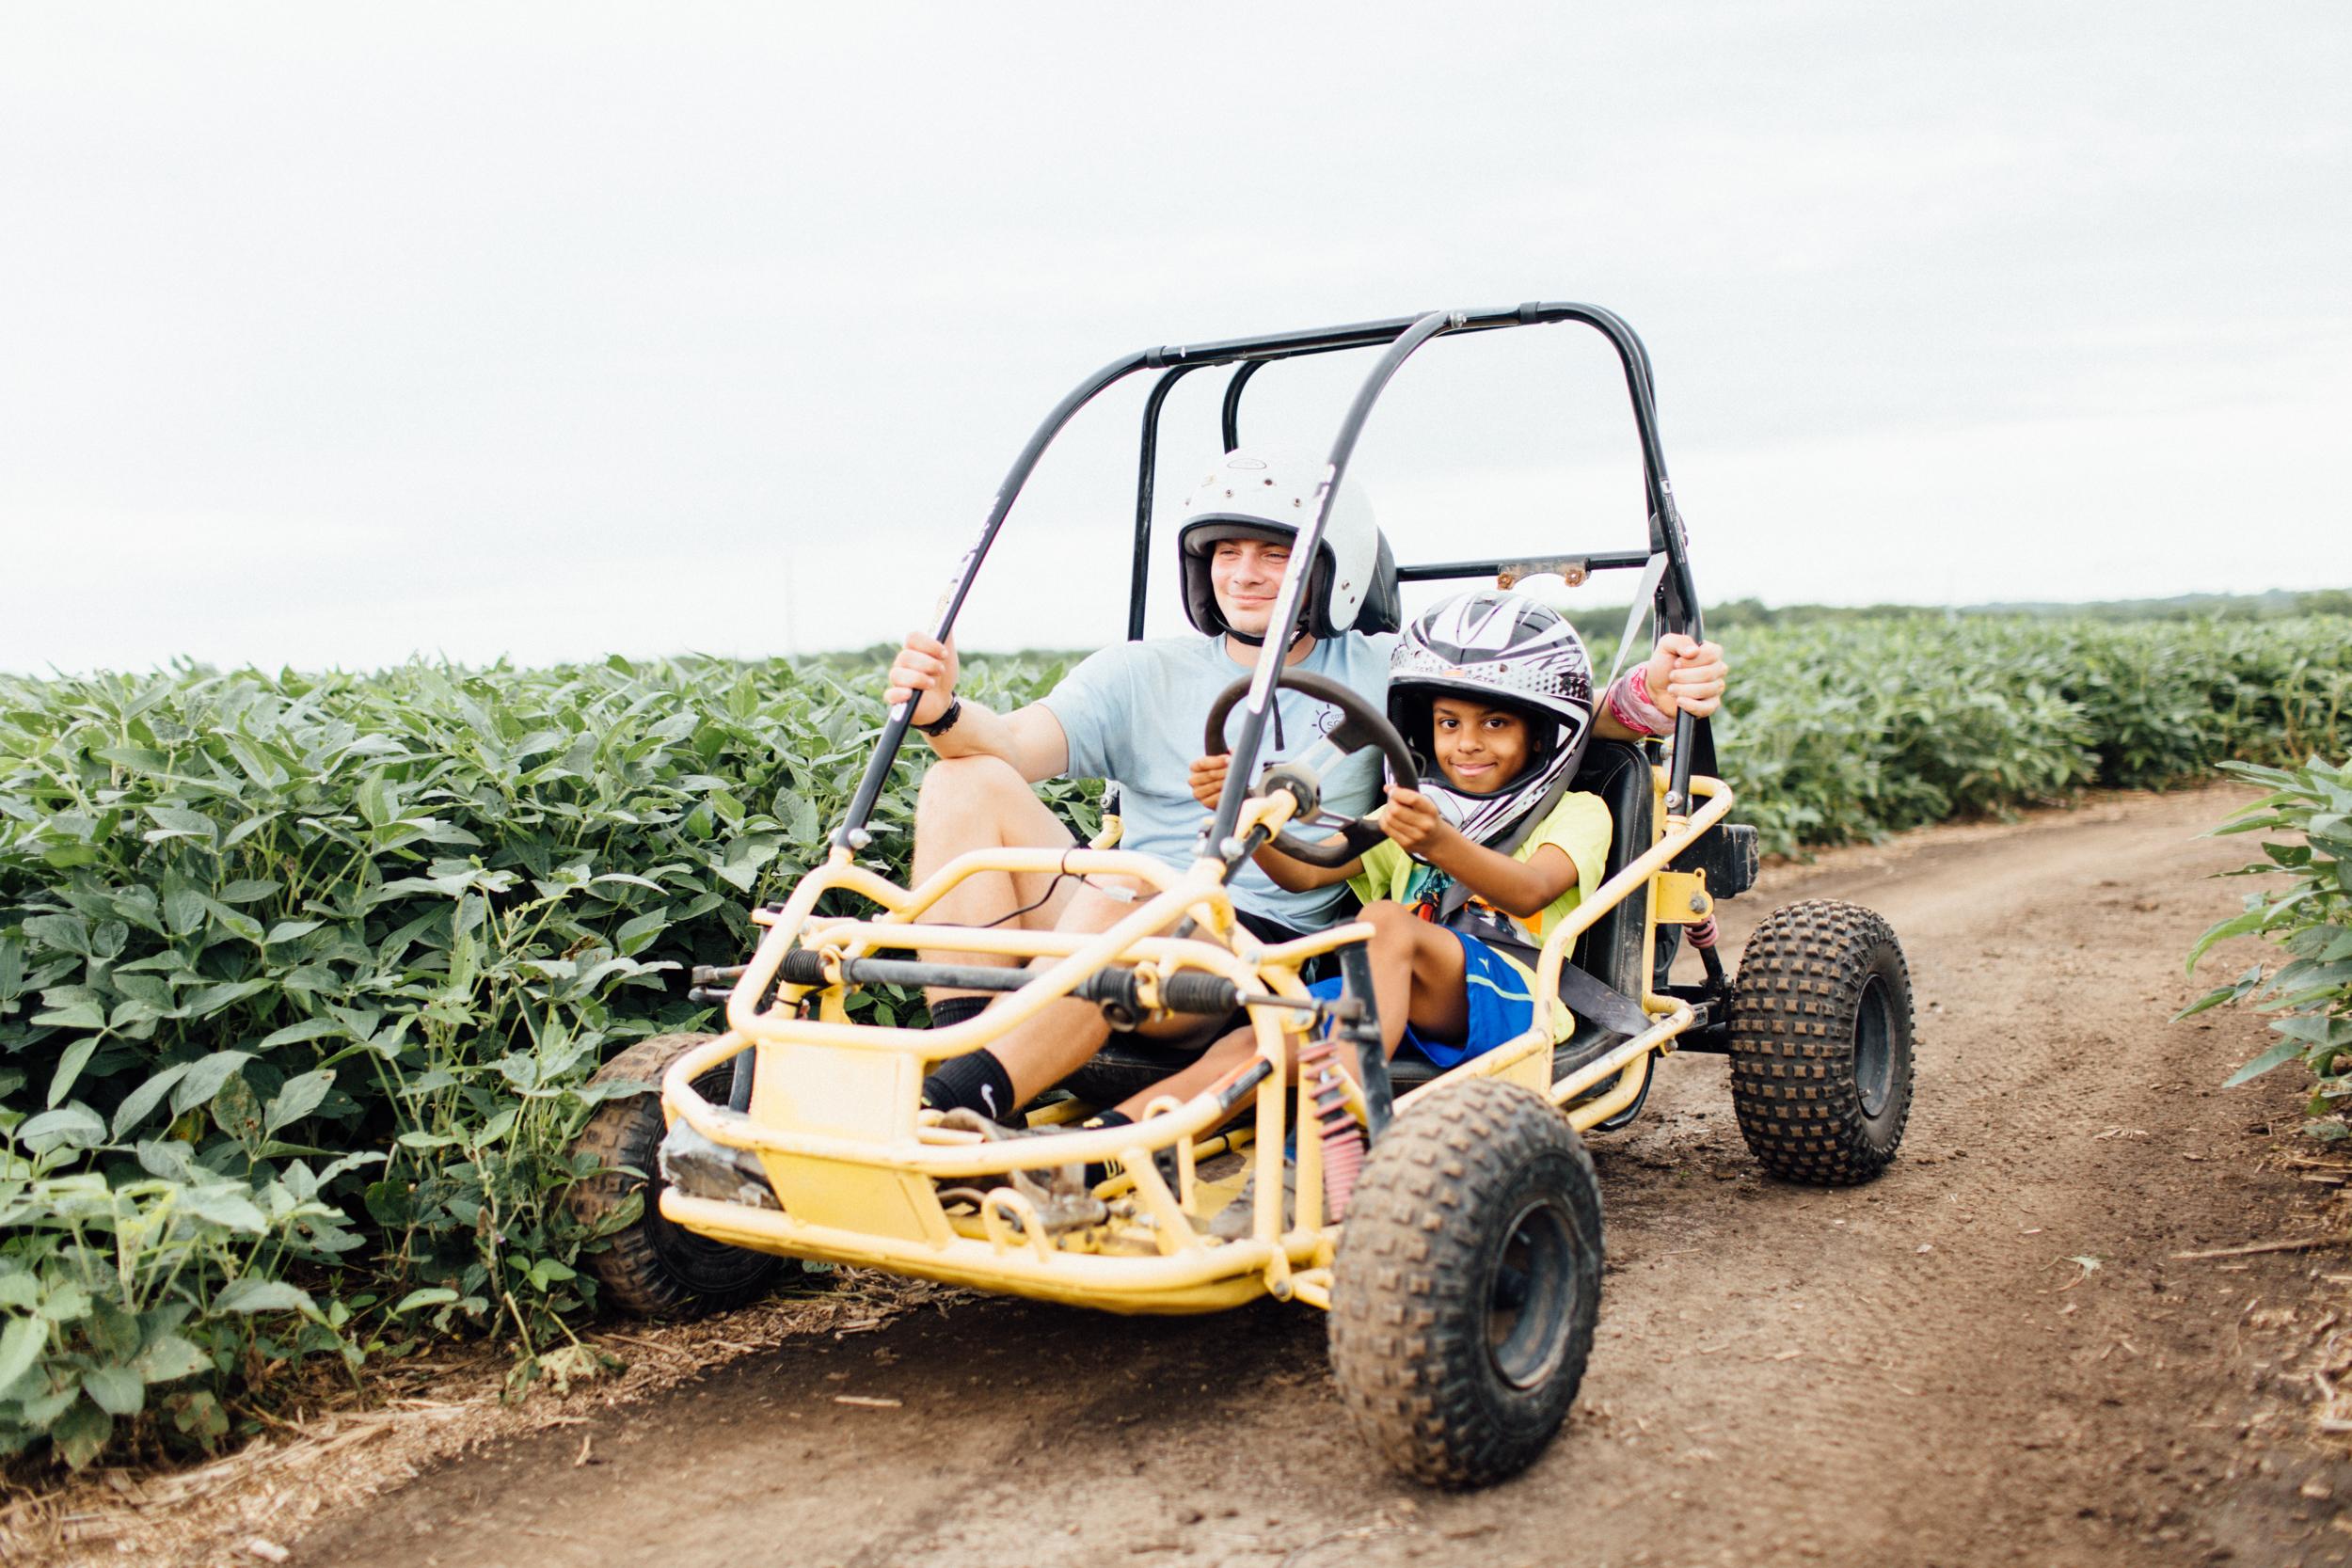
1990,1355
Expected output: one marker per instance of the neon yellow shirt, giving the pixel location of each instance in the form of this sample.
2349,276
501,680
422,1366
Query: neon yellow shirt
1578,825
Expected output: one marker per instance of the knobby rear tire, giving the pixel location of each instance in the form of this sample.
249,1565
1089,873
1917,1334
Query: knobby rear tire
1821,1043
651,1267
1467,1284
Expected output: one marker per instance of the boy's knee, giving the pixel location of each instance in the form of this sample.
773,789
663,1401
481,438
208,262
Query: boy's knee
958,786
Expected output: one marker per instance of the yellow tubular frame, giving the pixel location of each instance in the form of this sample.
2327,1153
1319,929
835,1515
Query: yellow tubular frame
877,1163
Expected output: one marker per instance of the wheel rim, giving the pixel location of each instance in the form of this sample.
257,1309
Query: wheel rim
1873,1048
1530,1294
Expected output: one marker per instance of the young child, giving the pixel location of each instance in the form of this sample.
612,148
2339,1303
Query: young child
1494,690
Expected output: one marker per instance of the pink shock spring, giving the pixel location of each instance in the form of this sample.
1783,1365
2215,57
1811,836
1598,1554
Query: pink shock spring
1343,1137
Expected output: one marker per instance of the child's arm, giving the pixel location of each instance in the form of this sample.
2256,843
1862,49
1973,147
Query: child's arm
1515,887
1208,780
1297,876
1681,673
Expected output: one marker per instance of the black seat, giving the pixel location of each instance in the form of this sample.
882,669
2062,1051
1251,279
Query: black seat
1620,775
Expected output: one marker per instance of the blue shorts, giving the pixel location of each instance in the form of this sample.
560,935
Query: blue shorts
1500,1006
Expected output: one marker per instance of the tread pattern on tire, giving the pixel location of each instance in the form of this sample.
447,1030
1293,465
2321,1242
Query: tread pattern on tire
1408,1308
631,1270
1792,1043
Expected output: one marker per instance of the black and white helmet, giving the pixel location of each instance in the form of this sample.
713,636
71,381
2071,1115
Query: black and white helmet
1260,493
1507,650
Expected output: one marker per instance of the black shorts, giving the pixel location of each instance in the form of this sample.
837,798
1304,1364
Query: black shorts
1273,932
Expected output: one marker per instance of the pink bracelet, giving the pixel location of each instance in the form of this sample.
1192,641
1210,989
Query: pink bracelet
1628,702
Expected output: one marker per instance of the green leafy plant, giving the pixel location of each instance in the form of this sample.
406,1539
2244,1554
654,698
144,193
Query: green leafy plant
164,1275
341,953
2310,918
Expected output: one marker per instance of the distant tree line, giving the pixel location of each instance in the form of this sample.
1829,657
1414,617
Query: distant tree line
1602,625
1601,628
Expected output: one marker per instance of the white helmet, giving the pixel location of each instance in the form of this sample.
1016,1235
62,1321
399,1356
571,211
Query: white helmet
1510,651
1256,493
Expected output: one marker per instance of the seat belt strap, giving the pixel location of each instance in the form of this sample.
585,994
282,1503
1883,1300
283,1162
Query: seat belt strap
1455,895
1592,1000
1645,602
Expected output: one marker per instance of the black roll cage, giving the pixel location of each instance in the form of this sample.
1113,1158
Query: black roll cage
1676,601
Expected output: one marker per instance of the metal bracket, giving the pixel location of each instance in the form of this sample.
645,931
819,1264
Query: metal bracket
1575,568
1680,898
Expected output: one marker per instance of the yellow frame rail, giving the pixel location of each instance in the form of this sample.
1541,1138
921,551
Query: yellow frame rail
836,1123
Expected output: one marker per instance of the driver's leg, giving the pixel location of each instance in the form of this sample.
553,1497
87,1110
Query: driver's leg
1230,1051
979,802
1416,978
1062,1038
1053,1043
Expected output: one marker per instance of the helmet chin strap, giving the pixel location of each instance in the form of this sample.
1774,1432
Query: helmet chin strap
1249,641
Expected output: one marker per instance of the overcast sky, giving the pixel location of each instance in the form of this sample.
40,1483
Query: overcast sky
332,335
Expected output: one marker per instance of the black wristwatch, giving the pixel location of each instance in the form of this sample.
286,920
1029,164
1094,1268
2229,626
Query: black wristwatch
945,722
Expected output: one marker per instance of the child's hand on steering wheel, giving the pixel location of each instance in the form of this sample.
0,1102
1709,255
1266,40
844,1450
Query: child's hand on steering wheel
1411,820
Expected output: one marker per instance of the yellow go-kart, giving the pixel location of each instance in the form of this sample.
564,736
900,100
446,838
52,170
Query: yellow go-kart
1450,1222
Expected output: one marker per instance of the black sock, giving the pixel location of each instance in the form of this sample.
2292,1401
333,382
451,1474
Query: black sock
949,1011
1099,1171
976,1081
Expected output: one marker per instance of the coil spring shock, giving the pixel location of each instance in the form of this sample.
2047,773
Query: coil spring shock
1703,938
1342,1135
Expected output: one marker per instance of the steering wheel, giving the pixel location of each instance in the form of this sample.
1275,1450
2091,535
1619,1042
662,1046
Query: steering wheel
1360,725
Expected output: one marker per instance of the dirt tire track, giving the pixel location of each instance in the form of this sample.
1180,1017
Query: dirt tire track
1912,1371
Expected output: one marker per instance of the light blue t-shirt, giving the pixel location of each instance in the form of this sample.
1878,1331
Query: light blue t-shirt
1135,712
